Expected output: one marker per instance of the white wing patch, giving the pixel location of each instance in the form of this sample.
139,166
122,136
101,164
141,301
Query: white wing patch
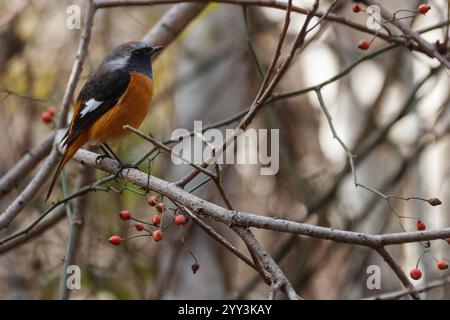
91,105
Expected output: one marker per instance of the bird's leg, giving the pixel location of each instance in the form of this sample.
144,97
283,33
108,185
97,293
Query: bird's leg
105,154
122,165
109,152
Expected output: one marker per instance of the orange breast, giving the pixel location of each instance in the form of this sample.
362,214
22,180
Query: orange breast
131,109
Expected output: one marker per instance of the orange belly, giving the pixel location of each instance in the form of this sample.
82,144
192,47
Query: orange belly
130,110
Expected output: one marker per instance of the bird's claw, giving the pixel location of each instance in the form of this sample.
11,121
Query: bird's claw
100,158
123,166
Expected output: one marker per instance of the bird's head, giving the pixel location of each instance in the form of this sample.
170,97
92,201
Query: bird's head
133,56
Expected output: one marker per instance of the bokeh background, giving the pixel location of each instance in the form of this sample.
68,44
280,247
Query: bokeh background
209,74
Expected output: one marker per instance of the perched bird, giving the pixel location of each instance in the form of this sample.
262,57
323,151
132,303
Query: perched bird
118,93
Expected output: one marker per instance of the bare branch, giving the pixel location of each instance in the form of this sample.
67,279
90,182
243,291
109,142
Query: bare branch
36,183
276,4
400,293
25,165
219,238
270,81
425,46
172,23
278,279
76,223
398,271
218,213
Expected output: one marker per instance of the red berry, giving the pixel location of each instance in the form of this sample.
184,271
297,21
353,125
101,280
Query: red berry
356,8
180,219
420,225
415,273
46,117
442,265
160,207
156,220
51,110
364,44
139,226
115,240
157,235
423,8
152,200
125,215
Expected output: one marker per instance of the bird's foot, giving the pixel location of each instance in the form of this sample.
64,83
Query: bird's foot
100,158
122,166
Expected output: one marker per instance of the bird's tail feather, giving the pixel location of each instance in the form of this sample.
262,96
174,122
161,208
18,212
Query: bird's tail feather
71,149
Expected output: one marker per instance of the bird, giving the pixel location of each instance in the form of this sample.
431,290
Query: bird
118,93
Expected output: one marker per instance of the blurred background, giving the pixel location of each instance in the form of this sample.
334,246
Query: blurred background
391,110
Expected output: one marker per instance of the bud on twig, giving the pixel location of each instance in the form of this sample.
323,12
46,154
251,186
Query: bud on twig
434,201
195,266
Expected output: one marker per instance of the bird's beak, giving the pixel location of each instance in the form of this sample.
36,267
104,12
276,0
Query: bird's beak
154,50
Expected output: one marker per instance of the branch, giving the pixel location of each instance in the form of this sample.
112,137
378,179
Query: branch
219,238
54,206
271,80
169,150
170,190
398,271
36,183
172,23
77,67
25,165
34,232
30,190
175,20
278,280
76,223
400,293
245,220
423,45
275,4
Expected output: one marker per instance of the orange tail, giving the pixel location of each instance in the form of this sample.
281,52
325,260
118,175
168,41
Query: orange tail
68,154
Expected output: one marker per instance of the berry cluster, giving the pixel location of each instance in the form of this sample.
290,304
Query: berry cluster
364,44
48,115
416,273
158,234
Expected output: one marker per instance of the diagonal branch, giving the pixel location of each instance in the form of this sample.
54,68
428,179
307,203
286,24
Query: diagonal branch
275,4
219,238
425,46
278,279
266,89
25,165
36,183
398,271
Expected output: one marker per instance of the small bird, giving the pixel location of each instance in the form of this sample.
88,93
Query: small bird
118,93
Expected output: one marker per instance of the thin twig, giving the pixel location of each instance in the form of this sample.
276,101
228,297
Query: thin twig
276,4
423,45
169,150
271,80
218,237
398,271
401,293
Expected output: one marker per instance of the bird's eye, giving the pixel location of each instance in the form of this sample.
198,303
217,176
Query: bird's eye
138,53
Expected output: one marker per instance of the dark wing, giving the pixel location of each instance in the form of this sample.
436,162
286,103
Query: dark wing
100,93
